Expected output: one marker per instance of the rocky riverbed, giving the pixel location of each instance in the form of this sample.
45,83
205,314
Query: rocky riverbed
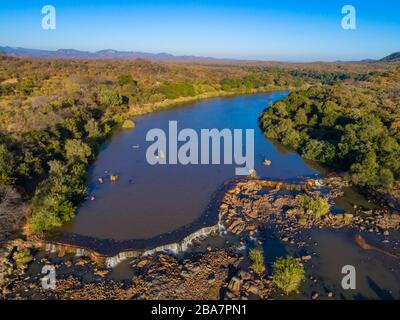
210,271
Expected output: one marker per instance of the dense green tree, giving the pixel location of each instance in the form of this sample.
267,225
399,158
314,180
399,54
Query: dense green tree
7,165
76,150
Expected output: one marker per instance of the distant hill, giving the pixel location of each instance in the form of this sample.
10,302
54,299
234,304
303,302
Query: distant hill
111,53
108,53
395,57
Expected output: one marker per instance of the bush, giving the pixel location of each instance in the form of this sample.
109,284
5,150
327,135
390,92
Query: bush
54,199
320,151
125,79
287,274
128,124
318,207
76,150
109,98
7,165
22,258
173,90
257,260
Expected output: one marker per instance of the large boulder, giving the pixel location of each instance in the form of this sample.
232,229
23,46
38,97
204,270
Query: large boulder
235,285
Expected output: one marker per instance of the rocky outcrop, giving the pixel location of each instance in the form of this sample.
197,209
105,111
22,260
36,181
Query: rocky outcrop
251,204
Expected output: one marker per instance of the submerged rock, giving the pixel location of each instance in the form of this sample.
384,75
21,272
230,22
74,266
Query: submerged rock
267,163
114,178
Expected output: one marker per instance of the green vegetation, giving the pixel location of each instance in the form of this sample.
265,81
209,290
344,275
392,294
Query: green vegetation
287,274
55,113
256,256
354,128
128,124
173,90
22,258
318,207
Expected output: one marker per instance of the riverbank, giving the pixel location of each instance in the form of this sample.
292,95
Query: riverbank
170,103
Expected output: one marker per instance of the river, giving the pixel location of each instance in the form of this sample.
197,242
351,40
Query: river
148,201
153,205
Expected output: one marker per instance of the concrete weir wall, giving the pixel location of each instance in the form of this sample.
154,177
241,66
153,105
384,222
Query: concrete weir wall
111,261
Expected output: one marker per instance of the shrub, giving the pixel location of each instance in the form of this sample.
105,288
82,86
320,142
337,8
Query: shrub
173,90
109,98
318,207
287,274
76,150
7,165
22,258
128,124
320,151
92,128
54,199
125,79
257,260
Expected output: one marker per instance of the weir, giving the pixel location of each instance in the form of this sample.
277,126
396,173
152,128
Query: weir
175,248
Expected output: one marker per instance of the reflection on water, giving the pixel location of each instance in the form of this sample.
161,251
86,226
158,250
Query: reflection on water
151,200
352,198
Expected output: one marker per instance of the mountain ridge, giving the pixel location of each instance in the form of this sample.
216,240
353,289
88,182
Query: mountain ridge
394,57
105,53
112,53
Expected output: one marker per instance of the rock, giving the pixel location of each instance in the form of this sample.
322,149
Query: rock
314,295
302,221
209,248
81,262
101,273
386,233
306,258
142,264
244,275
251,214
267,163
114,177
229,295
253,290
237,226
235,285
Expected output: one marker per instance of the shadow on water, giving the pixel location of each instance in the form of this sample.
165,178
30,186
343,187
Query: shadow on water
381,293
377,275
273,249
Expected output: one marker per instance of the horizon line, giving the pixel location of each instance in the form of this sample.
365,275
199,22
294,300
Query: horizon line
171,55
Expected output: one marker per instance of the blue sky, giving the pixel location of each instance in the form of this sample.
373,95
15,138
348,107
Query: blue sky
301,30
